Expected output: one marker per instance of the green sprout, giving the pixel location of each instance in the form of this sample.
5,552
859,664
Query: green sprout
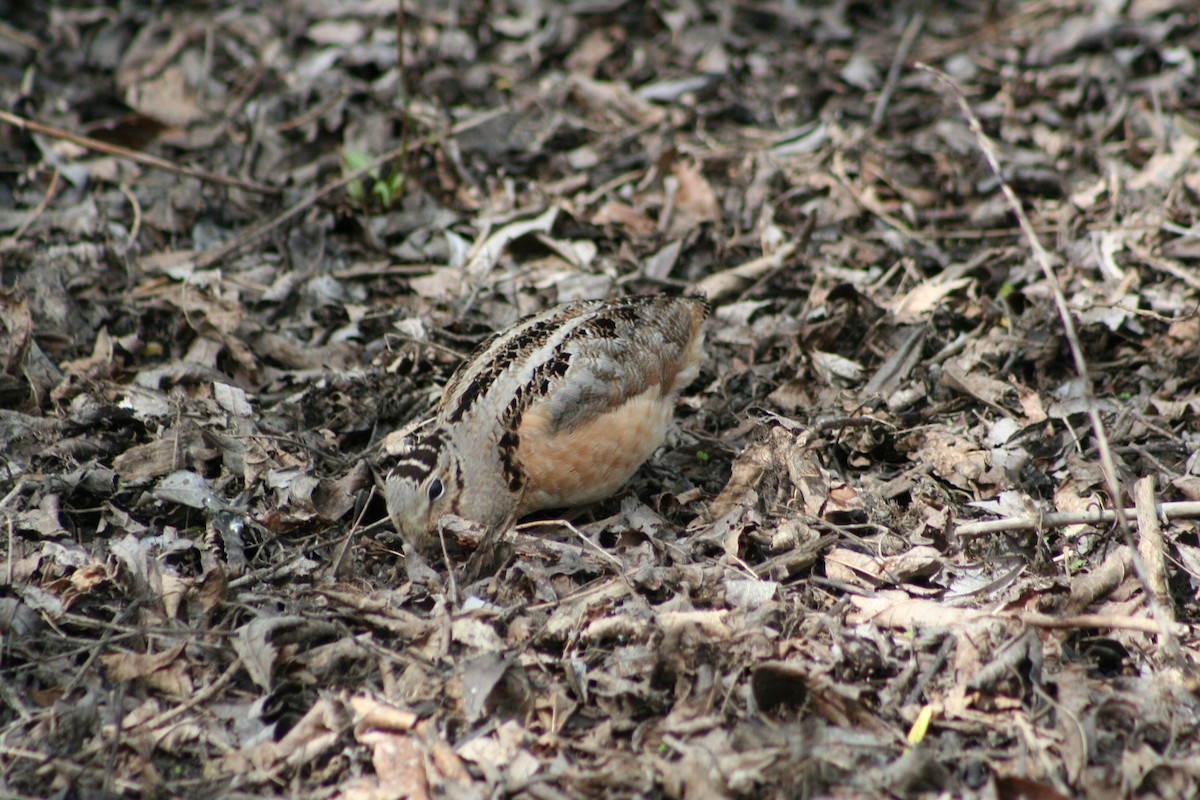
388,190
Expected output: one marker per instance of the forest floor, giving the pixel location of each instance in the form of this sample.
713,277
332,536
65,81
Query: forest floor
926,526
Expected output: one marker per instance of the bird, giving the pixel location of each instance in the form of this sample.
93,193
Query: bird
557,411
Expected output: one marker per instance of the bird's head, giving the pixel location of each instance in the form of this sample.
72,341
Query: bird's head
424,484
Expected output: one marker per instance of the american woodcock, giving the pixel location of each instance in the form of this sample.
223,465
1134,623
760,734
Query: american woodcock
557,411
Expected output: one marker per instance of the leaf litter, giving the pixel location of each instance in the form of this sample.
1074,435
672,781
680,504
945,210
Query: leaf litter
242,247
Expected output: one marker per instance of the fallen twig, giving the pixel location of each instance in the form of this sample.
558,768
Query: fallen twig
255,232
915,23
725,284
145,159
1102,621
1107,462
1058,519
51,190
1152,548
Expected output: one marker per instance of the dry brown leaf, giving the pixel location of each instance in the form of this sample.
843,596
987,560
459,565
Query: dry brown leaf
601,98
400,769
440,284
873,571
16,328
98,362
596,46
497,684
896,609
1032,406
476,634
164,671
709,624
165,454
174,591
334,499
835,370
984,389
952,457
128,666
572,616
377,715
920,301
763,466
501,756
255,647
486,252
317,731
615,212
166,97
694,201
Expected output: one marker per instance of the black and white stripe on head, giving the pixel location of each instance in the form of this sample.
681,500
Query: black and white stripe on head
424,483
420,460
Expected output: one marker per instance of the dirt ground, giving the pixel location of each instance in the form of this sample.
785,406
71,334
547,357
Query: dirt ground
926,525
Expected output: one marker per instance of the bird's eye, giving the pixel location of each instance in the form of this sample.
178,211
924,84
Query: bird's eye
436,489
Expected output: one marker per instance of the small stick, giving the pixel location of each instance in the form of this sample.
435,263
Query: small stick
1181,510
915,23
1107,462
137,156
1151,546
720,286
255,232
1103,621
37,212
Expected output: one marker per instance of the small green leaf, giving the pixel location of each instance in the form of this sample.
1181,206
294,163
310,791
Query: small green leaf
381,190
396,183
353,161
388,190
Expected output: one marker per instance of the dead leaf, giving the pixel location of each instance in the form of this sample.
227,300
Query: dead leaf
254,645
16,328
617,213
861,569
693,200
921,300
487,251
164,671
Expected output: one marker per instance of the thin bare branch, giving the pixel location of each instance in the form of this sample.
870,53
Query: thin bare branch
1107,462
136,156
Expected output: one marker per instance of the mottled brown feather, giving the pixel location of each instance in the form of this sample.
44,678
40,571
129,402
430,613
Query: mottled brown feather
558,410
